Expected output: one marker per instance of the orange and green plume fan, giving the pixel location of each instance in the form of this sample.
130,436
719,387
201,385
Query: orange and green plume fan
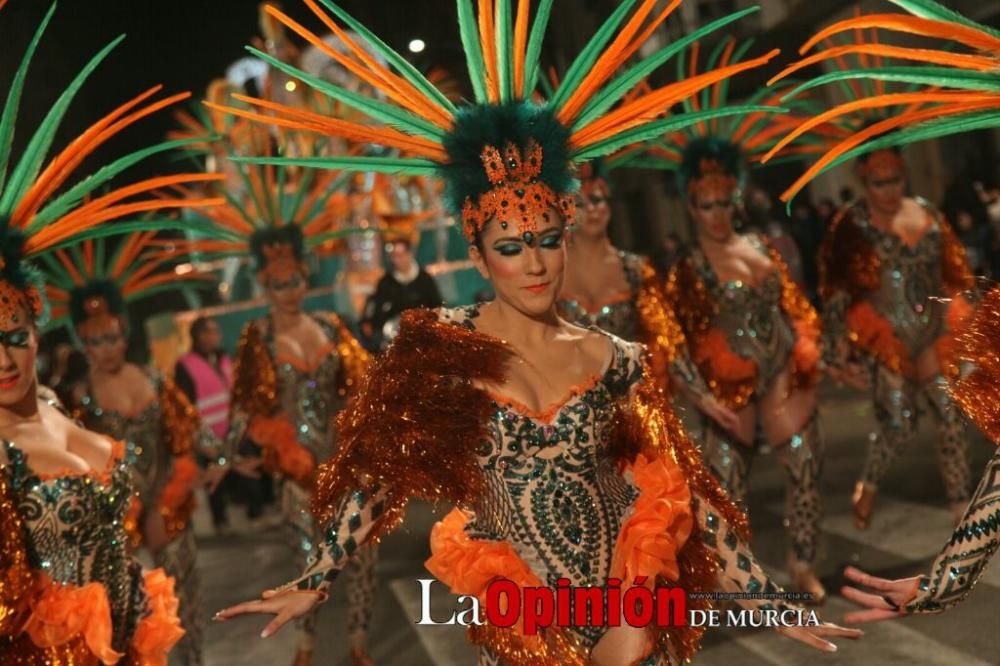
899,95
586,117
42,209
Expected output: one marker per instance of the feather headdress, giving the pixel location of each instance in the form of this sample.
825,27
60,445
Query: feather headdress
41,210
940,92
506,156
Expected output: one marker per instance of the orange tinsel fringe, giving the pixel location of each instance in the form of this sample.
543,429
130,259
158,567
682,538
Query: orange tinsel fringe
806,353
180,418
157,633
177,499
64,613
416,421
254,382
978,394
281,449
874,334
658,327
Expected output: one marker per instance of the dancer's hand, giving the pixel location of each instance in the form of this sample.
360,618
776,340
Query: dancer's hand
885,603
213,476
814,636
285,606
248,467
719,413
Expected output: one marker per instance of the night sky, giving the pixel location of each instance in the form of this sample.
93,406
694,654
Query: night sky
183,44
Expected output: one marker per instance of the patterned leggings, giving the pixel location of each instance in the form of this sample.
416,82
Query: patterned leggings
358,576
801,457
897,409
178,560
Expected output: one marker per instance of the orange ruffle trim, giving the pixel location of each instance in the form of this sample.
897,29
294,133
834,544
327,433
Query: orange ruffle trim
659,526
177,499
874,334
282,452
157,633
713,351
467,566
63,613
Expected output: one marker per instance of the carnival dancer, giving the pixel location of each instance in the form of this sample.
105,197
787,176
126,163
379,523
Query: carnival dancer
894,279
91,286
293,370
563,460
71,593
945,98
749,330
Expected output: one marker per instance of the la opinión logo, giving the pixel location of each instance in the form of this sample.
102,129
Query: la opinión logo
564,606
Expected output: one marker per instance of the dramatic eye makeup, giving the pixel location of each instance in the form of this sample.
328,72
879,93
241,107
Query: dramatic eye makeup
19,338
548,240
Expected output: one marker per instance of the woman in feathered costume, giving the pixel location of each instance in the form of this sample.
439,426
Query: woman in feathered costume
562,458
90,286
952,92
69,591
293,370
893,274
750,333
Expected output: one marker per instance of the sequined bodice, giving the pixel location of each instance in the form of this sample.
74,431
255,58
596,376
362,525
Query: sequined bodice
619,315
148,456
553,490
309,396
75,533
756,327
910,280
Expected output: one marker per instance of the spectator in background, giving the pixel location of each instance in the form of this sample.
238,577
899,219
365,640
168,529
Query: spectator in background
404,286
205,375
825,210
846,196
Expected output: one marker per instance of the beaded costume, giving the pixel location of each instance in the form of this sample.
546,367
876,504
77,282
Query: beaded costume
889,300
279,216
70,593
91,286
546,486
288,409
604,482
957,94
741,339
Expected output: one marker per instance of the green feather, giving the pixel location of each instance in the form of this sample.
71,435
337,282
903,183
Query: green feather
933,10
387,113
738,53
390,165
128,227
10,109
713,61
401,64
34,154
617,89
99,254
55,273
943,77
534,50
504,39
469,31
656,128
589,55
319,239
317,207
71,197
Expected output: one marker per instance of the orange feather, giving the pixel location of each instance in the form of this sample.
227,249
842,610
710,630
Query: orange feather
520,47
487,37
971,37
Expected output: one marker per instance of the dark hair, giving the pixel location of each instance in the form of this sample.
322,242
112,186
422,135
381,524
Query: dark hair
198,326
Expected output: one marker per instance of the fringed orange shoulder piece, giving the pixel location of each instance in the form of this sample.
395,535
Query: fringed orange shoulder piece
847,261
688,299
659,329
417,420
979,393
255,386
354,359
805,321
180,418
955,268
17,579
646,424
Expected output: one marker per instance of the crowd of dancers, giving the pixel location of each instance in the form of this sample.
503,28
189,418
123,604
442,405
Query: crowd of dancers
544,419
